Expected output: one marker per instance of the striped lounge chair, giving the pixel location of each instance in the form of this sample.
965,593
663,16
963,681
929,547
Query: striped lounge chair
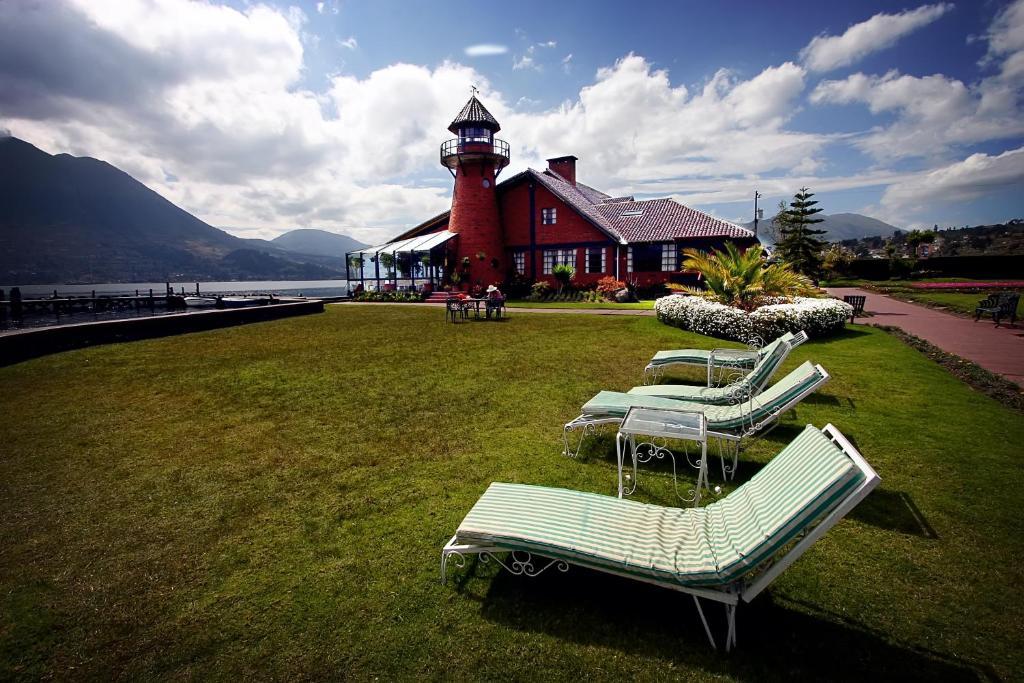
727,423
729,550
750,384
717,359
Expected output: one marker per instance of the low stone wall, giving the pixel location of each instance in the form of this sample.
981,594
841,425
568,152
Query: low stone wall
30,343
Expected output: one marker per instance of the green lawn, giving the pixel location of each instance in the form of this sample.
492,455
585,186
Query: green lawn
603,305
955,301
270,501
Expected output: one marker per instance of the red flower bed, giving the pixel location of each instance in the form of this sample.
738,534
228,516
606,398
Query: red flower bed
1007,284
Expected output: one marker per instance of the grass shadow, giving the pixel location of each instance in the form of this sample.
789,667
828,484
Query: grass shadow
823,400
895,511
844,334
795,641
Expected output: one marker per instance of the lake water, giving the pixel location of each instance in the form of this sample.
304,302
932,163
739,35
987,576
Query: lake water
308,288
311,288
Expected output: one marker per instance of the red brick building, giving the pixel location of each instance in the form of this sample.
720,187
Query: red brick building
532,221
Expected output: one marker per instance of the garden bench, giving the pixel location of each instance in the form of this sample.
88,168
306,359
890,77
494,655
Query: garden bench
857,301
998,306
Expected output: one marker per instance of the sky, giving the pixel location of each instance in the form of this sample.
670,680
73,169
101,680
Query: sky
265,117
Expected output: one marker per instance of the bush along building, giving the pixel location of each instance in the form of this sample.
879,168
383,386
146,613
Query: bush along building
524,226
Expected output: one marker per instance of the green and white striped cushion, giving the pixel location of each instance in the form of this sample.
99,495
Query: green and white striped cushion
720,417
714,545
700,356
683,392
761,373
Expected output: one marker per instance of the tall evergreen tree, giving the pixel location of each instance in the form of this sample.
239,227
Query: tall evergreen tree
800,246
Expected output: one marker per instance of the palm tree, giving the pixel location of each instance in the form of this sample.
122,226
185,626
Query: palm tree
740,278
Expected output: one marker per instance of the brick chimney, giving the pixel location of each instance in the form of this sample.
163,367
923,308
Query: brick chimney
564,166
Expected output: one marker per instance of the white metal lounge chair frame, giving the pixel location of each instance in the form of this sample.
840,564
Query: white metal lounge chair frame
737,381
729,441
716,358
747,588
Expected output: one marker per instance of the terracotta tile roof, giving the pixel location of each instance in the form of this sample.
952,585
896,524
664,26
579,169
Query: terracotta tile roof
653,220
592,195
474,112
663,220
574,197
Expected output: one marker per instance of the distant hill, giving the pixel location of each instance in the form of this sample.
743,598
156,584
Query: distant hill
844,226
318,242
78,219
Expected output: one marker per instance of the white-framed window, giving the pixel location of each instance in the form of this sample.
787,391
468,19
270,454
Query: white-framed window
669,257
595,259
519,261
548,216
556,257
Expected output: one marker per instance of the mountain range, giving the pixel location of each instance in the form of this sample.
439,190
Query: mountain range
313,241
79,219
841,226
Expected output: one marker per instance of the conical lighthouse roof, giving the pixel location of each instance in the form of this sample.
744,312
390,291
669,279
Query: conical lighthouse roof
474,113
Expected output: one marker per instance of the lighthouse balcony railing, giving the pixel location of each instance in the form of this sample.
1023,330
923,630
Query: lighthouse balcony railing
466,146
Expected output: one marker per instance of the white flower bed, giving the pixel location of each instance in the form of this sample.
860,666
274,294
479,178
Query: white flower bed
819,317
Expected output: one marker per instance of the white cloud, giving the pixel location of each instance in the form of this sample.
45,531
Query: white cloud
525,62
933,113
976,176
825,53
251,147
210,95
485,50
632,126
351,43
320,8
206,105
1006,41
567,63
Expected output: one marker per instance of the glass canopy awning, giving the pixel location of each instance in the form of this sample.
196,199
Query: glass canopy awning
420,243
395,264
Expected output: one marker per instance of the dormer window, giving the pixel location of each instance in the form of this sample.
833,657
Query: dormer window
474,135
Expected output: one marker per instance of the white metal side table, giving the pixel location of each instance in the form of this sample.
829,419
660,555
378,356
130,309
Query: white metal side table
663,424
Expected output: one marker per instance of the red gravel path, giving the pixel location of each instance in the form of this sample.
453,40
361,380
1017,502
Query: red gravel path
998,349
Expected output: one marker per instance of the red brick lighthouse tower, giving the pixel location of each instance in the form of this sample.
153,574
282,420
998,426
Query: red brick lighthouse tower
475,158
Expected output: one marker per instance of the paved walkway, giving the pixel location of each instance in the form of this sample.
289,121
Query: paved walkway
998,349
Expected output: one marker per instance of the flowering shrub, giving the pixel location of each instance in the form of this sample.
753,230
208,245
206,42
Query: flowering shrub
540,289
399,297
609,285
818,317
